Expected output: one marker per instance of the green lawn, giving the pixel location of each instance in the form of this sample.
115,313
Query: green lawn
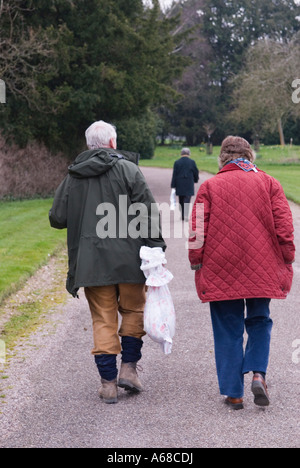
26,241
281,163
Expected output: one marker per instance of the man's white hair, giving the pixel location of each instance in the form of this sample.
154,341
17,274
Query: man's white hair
99,134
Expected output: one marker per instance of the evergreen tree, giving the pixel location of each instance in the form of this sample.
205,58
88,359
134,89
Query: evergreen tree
110,60
232,26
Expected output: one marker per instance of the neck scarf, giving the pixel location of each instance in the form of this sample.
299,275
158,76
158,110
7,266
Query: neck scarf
244,164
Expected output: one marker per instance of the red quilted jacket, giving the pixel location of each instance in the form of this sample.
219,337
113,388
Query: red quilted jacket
248,237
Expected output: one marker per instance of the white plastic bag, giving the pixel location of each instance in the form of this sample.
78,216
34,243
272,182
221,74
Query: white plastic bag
173,200
159,314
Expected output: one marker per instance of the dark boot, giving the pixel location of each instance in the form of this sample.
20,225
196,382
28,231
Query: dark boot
128,378
131,354
107,367
109,391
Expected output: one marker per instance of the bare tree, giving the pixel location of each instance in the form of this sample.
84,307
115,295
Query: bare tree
263,93
209,130
25,53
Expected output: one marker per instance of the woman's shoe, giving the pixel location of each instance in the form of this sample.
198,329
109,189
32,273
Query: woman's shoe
235,403
259,390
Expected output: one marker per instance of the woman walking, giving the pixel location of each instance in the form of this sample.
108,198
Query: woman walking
244,262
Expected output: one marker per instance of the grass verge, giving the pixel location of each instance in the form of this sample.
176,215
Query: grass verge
29,307
26,242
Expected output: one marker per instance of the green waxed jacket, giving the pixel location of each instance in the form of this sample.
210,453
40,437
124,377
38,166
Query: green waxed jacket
109,212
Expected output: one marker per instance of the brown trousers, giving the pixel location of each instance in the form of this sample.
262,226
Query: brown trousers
104,303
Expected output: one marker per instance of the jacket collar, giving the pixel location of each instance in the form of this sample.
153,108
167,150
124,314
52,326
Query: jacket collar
239,164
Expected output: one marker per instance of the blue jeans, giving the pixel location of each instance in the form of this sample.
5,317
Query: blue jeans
229,324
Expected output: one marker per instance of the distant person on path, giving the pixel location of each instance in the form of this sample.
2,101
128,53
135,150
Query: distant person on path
103,257
245,261
185,175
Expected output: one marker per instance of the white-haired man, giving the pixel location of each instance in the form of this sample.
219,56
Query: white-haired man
93,203
185,175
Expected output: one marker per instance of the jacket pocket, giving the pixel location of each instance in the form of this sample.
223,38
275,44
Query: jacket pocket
286,274
200,283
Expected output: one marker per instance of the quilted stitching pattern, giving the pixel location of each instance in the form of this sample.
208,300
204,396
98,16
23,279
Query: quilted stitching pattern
248,235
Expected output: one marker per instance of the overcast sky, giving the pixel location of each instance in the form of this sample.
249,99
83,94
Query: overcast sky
165,3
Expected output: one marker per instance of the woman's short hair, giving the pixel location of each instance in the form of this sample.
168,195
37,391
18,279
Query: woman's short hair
234,147
99,134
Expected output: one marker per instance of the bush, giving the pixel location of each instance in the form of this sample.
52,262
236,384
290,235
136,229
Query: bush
29,172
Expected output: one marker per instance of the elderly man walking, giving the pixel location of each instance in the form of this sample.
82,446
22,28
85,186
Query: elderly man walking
185,175
95,203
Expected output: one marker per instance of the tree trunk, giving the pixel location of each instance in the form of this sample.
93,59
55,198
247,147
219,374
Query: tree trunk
281,135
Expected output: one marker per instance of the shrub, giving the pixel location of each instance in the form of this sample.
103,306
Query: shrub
29,172
138,134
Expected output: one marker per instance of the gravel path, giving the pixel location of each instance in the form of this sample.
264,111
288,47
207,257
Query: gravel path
50,396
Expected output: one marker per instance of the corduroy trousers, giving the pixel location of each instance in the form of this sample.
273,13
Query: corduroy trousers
105,302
